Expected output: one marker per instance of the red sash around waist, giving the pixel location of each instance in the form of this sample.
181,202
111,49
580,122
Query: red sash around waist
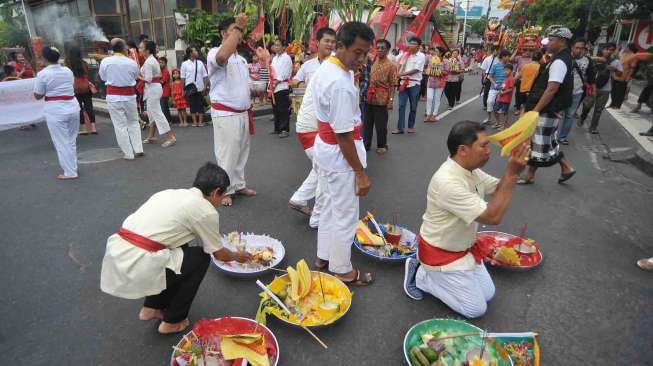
120,90
156,79
250,114
329,137
58,97
307,139
371,91
140,241
434,256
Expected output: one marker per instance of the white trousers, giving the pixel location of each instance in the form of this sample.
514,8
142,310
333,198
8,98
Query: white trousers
124,117
63,130
465,292
338,219
154,112
433,97
310,189
492,99
231,140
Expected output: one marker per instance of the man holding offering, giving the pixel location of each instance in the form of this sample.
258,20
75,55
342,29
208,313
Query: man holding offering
340,157
450,265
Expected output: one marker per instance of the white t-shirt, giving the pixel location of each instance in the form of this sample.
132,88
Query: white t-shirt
187,72
282,65
229,83
150,70
335,102
56,80
414,62
119,70
306,120
485,65
557,71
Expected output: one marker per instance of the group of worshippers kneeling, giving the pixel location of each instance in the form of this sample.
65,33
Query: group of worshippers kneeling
150,257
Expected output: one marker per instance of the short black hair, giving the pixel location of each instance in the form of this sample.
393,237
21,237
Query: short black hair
463,133
582,40
119,46
8,70
225,23
13,55
132,44
283,42
326,30
211,177
385,42
150,46
536,56
50,54
351,30
164,59
508,66
415,39
504,53
143,37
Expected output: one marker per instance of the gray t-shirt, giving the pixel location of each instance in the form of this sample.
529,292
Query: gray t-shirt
619,67
582,63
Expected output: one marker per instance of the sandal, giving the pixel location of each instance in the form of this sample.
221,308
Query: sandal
525,181
300,208
358,282
566,176
321,264
227,201
247,192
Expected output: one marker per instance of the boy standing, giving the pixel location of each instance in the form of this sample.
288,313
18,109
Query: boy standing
502,104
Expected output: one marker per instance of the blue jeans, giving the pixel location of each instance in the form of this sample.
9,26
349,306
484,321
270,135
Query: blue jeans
411,93
568,119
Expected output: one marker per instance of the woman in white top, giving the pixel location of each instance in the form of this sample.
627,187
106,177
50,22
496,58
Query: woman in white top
55,84
150,73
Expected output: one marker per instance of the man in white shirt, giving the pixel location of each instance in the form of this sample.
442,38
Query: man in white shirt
231,104
340,157
306,127
119,74
149,256
409,85
193,72
282,66
450,265
54,83
487,63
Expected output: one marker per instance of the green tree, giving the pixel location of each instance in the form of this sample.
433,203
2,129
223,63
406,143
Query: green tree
478,26
13,31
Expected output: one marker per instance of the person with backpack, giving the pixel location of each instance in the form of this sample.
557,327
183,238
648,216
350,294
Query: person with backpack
583,71
606,68
195,78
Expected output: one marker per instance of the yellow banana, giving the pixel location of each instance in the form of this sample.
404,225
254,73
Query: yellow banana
305,277
294,284
519,132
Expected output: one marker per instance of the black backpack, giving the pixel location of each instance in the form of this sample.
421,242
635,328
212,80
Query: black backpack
602,75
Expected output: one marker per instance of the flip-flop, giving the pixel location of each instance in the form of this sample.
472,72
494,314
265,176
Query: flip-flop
566,176
524,181
358,282
300,208
247,192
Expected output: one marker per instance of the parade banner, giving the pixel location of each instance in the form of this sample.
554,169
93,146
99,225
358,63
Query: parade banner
320,23
418,25
644,35
18,107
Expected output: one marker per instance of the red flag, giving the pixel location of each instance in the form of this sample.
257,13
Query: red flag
437,41
418,25
389,13
320,23
257,33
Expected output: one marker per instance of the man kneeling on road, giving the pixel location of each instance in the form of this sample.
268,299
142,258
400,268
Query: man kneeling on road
450,265
150,257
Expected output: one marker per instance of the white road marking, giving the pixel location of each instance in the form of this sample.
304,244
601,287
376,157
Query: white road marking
444,114
595,161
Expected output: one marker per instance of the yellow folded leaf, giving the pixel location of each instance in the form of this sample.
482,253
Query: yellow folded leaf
519,132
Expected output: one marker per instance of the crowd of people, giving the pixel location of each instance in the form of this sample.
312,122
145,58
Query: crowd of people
347,97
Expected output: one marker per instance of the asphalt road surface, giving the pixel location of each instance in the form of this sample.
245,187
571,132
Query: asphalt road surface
588,300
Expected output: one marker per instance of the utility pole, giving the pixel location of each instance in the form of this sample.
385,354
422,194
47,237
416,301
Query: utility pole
465,25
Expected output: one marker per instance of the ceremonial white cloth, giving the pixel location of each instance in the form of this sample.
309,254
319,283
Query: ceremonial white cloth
152,94
465,292
310,189
229,83
124,117
172,218
231,140
306,119
338,219
61,116
18,106
120,71
187,73
282,65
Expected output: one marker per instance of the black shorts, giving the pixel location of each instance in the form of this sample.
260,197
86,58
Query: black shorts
196,103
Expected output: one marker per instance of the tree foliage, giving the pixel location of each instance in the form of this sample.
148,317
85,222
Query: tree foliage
13,31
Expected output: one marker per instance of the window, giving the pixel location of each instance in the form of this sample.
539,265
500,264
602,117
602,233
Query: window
170,5
154,18
82,7
134,10
145,8
188,3
106,6
171,33
111,25
159,33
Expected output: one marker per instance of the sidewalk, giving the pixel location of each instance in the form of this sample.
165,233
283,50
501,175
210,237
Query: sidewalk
100,106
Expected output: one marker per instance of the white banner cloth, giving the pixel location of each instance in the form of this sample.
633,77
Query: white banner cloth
18,106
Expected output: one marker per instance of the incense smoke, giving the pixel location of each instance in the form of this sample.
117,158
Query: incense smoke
59,25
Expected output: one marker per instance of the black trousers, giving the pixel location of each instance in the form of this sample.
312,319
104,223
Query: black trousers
459,90
422,85
518,101
646,94
618,93
451,91
86,105
376,116
176,299
486,92
281,109
165,107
